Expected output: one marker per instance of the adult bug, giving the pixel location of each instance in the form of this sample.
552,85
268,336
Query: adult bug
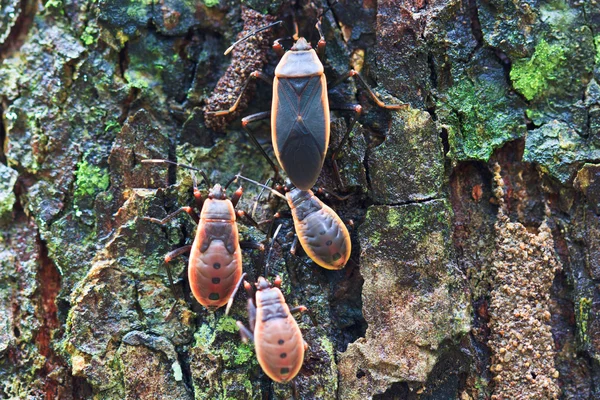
300,110
215,261
274,331
321,232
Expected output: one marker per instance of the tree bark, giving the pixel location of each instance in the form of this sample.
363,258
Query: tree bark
474,272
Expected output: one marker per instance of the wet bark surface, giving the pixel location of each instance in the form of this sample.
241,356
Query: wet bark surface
474,271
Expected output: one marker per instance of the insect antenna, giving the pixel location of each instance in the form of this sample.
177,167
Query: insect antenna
275,192
234,178
266,272
258,198
296,35
264,28
163,161
230,302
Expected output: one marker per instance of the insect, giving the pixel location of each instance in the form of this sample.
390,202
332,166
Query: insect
215,262
321,232
274,331
300,110
245,60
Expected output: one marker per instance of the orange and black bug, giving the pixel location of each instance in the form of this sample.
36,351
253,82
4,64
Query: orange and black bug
276,335
321,232
215,262
300,111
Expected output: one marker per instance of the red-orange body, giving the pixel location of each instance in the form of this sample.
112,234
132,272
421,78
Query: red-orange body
215,264
277,337
321,232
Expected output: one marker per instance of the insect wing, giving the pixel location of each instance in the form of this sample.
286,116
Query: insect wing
301,127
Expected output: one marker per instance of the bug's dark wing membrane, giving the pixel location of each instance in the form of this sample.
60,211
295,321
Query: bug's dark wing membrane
300,124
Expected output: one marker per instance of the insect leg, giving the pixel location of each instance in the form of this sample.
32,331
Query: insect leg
169,217
197,195
357,108
250,306
328,193
294,245
168,258
244,214
251,244
177,252
295,394
278,47
253,75
293,249
235,197
270,221
298,309
258,117
237,286
245,333
322,43
353,73
251,314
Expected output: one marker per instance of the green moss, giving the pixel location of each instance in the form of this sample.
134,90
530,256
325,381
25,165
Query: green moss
7,201
597,45
244,354
90,179
138,12
583,314
375,238
89,35
152,67
57,4
416,220
112,125
211,3
531,76
327,346
8,178
479,118
227,324
204,336
393,218
235,357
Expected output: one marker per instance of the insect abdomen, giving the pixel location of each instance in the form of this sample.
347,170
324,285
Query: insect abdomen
279,347
324,238
214,274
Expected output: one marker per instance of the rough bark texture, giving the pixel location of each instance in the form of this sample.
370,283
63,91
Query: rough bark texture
476,243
